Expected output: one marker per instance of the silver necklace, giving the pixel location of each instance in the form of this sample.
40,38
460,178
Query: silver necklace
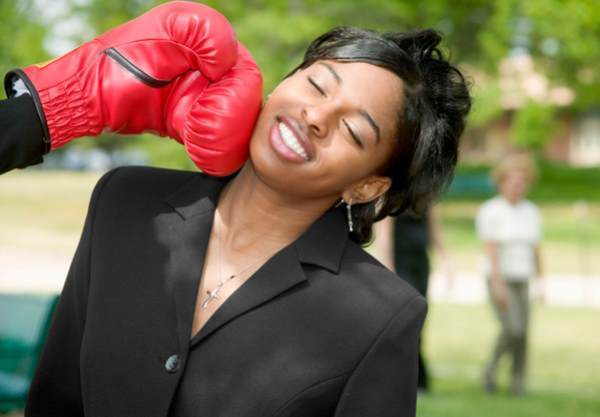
214,293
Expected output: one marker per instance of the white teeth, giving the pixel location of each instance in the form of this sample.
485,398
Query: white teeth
290,140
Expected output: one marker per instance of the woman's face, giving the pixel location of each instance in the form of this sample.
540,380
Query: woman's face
326,129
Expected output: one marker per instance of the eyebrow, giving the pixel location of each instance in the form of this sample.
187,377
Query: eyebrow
361,111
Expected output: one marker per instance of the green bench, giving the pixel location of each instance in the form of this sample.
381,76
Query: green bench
24,322
471,185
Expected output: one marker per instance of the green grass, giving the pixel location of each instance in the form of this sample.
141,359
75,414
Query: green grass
44,210
564,365
460,398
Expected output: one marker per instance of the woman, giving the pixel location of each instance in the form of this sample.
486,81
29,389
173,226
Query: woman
250,295
510,227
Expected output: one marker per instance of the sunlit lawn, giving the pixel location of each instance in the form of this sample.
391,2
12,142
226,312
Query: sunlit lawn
43,210
564,366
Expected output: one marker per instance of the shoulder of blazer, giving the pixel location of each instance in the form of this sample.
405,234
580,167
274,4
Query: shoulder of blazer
140,181
146,187
376,283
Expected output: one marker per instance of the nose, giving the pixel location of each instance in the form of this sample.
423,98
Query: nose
317,118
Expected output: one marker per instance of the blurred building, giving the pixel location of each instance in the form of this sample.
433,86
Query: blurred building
576,141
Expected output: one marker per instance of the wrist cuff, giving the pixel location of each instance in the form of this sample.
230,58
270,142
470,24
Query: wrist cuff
20,133
10,79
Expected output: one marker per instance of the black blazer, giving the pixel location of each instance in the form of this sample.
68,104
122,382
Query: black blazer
321,329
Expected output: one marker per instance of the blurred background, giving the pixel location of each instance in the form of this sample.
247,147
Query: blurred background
534,69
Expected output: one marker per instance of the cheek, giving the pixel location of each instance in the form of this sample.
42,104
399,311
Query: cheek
342,163
288,91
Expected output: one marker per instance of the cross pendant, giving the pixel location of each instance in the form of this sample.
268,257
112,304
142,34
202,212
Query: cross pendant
214,293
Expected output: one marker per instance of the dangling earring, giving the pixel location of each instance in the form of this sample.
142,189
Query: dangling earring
349,213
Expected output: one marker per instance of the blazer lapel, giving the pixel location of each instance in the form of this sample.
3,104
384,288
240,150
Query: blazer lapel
321,244
281,272
189,231
186,231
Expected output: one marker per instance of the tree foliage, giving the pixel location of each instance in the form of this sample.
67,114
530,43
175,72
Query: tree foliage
532,125
21,35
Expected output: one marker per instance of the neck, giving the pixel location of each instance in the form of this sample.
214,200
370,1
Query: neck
254,214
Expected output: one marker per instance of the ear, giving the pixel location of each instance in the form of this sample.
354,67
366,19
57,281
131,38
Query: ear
367,190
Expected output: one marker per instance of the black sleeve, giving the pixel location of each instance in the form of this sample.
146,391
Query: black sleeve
384,383
21,134
55,389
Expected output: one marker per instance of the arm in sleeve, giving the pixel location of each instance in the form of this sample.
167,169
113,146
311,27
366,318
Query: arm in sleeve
384,383
56,389
21,134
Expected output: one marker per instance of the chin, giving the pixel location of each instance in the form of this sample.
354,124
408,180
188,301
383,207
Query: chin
266,166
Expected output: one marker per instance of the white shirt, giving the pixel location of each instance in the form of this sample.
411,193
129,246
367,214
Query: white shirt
516,229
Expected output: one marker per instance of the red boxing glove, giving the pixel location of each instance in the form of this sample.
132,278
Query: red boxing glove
175,71
215,121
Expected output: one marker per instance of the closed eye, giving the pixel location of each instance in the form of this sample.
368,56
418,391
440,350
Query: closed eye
352,133
315,85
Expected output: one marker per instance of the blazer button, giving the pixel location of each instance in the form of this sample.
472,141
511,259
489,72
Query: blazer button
172,363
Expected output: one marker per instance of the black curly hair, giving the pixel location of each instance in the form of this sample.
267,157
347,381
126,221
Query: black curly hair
436,103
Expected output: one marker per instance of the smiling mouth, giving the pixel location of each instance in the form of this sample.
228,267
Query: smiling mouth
291,141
